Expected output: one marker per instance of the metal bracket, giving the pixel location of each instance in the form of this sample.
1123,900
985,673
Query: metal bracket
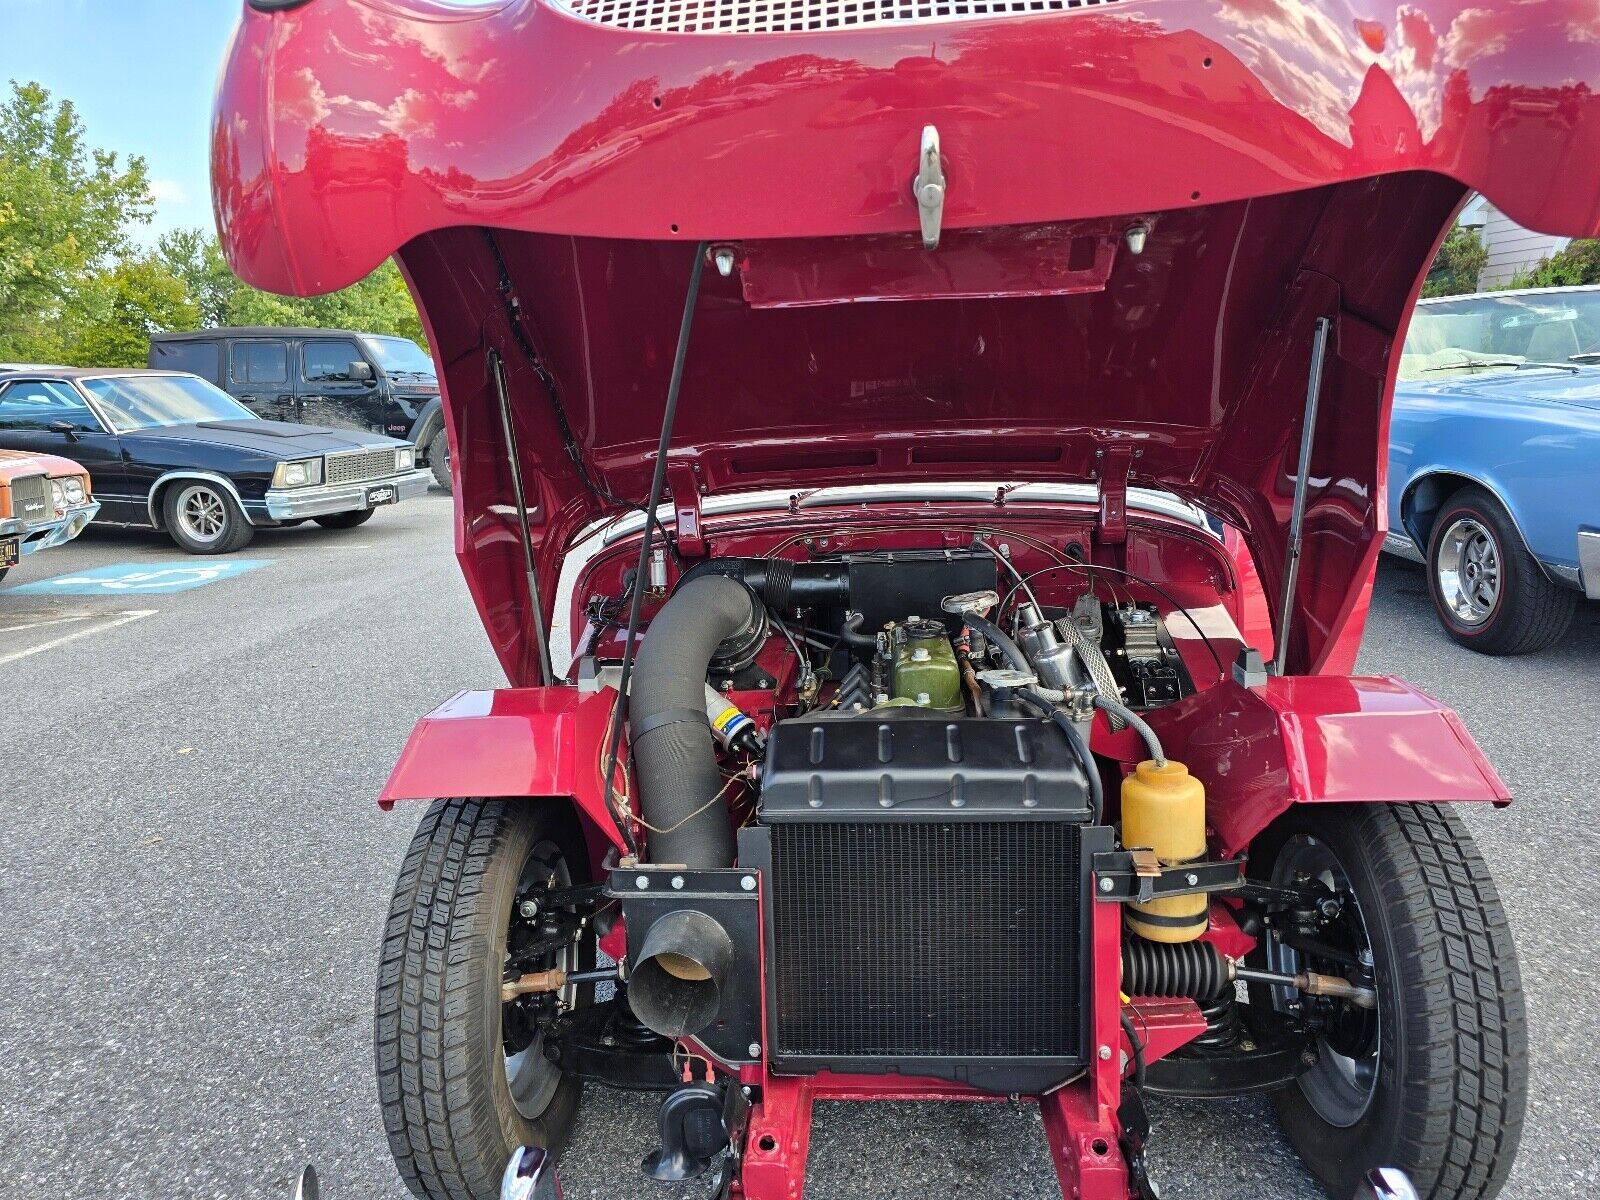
685,488
1116,463
1123,876
928,188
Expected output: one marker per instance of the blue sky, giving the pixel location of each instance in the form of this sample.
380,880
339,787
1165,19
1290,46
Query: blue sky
142,73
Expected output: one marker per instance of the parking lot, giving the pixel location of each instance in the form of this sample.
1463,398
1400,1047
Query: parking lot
196,875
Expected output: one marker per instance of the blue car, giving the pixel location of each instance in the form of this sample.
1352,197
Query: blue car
1494,462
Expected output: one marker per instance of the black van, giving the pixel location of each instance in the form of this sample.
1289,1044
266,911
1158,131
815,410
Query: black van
328,377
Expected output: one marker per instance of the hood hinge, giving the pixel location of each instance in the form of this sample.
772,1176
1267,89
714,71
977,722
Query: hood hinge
1114,463
685,488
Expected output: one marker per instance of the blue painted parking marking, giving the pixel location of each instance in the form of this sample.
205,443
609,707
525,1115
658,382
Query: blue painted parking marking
141,579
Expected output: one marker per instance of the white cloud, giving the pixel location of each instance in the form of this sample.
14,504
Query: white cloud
168,191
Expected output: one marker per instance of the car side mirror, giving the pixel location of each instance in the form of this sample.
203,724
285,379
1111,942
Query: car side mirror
64,427
361,372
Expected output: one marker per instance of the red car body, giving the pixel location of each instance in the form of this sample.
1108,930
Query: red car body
1288,162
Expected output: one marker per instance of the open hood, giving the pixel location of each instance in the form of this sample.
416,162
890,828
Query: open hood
1147,208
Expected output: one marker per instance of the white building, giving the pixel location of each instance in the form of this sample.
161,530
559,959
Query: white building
1511,247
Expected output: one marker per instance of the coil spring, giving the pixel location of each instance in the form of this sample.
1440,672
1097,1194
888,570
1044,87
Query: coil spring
1193,969
1224,1028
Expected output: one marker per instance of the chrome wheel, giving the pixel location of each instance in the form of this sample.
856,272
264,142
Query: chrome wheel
202,513
1468,570
1342,1085
540,937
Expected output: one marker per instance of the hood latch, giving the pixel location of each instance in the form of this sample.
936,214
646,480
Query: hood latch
928,188
1113,464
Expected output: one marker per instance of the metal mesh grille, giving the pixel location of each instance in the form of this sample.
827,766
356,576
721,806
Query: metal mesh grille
799,16
952,940
30,499
354,468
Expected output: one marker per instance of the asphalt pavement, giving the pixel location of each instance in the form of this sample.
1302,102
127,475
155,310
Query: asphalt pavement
195,875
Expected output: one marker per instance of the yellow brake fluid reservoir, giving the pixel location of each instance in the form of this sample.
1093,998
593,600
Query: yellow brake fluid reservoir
1164,808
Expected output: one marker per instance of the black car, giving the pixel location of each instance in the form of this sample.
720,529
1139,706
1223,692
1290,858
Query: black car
172,452
331,377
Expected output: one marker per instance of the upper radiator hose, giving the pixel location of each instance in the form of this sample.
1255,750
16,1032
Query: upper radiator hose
672,748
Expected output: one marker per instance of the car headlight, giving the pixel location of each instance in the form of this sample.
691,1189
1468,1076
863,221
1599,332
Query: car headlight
74,490
405,458
58,494
302,473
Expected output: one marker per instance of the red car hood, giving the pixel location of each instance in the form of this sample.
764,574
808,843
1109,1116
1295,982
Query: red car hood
1288,161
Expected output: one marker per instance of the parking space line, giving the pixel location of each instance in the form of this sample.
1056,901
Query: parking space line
126,618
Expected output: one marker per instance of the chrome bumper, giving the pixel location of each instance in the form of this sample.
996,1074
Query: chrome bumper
1589,563
296,504
45,535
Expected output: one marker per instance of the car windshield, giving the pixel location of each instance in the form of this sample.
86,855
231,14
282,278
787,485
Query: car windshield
1481,334
397,356
145,401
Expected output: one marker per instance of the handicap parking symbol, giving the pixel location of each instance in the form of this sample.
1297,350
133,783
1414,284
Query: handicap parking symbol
142,579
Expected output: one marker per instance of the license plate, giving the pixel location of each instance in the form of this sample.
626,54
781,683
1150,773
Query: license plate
381,495
10,552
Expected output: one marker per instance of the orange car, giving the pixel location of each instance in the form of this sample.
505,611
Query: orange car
44,501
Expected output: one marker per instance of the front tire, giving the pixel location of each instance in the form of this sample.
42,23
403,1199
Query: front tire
462,1077
345,520
203,518
439,460
1489,592
1436,1081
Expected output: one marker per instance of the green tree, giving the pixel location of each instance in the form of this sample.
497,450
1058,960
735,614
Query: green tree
1578,263
193,256
380,303
65,214
137,297
1458,264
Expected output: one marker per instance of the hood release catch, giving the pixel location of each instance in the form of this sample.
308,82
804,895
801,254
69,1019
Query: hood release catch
928,188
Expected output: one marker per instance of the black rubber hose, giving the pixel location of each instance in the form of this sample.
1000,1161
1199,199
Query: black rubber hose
1063,722
1012,651
780,582
850,633
1138,1052
673,752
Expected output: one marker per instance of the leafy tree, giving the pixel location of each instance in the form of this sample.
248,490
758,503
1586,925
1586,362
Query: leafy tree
194,257
65,215
137,297
1458,264
380,303
1578,263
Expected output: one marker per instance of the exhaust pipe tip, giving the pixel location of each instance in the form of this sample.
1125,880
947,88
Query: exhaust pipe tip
676,985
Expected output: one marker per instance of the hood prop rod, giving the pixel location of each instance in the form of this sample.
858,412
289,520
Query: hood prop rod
658,479
1297,515
497,371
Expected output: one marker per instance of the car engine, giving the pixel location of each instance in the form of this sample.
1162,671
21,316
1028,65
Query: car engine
921,800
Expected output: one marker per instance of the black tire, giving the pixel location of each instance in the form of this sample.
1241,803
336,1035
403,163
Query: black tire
443,1079
203,518
1528,612
346,520
439,460
1449,1087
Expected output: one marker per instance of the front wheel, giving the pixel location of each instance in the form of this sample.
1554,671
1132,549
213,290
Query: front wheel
462,1077
345,520
203,518
439,460
1435,1080
1490,593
